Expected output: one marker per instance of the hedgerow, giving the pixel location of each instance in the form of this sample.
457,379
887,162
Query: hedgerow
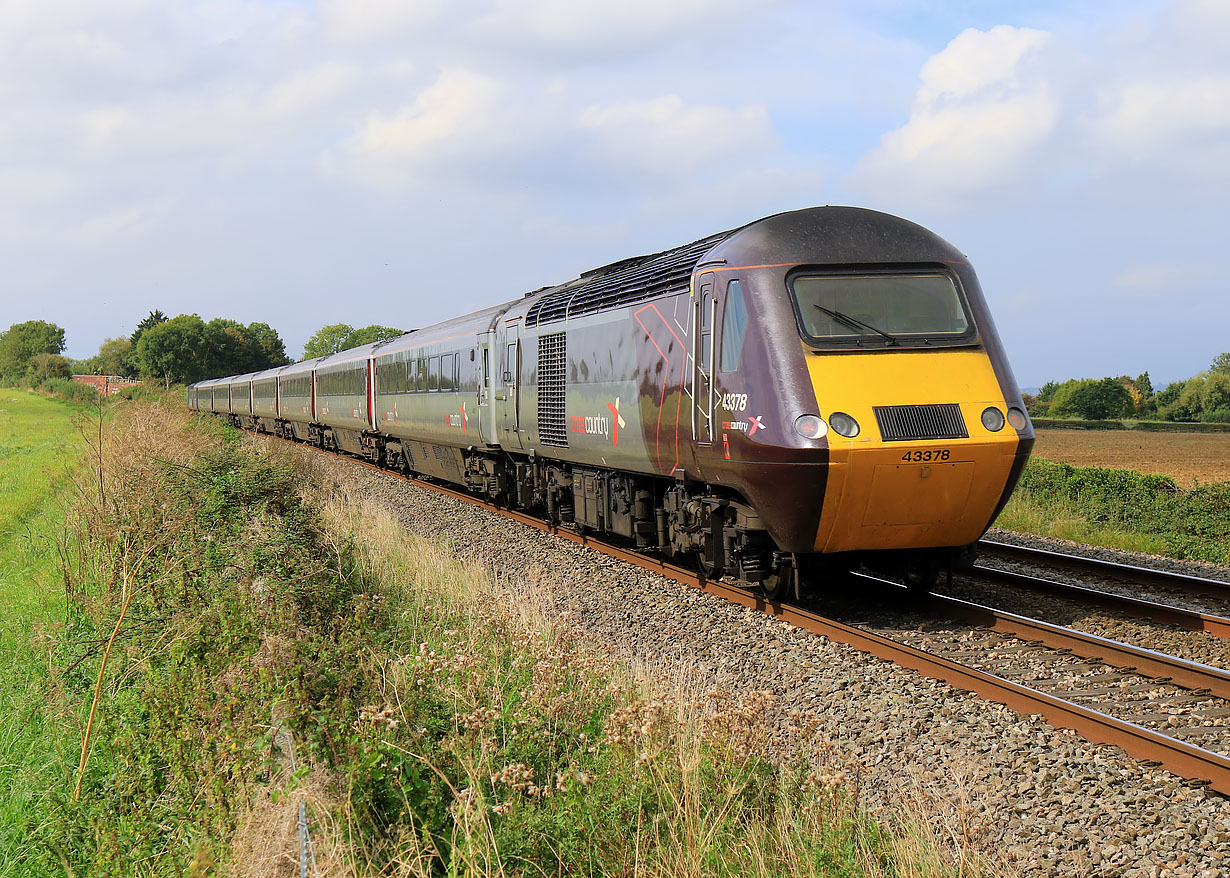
1192,523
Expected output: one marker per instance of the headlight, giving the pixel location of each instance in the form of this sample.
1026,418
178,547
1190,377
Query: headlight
843,424
993,419
1017,419
810,426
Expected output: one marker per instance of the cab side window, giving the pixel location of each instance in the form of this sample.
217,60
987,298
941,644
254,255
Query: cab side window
734,326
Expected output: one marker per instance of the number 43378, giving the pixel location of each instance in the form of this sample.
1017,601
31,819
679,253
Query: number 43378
931,454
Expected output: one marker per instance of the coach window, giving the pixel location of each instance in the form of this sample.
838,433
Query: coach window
448,364
734,326
433,373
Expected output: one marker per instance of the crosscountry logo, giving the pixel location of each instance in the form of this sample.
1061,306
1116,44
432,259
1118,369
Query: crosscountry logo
619,421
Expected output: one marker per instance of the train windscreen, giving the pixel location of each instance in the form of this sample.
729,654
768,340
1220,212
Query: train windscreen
880,309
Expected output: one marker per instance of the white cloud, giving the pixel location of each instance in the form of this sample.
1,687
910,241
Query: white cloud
230,115
603,27
127,224
984,106
377,21
462,117
1182,124
667,135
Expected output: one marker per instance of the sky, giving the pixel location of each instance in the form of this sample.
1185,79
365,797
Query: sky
399,162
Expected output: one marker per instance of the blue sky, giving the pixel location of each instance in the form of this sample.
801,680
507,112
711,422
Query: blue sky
401,161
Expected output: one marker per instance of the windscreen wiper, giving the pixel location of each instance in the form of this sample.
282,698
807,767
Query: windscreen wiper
855,323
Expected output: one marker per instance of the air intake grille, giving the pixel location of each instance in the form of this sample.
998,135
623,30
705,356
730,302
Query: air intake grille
623,283
901,422
552,368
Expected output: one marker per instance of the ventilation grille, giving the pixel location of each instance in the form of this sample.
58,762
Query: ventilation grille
552,363
900,422
623,283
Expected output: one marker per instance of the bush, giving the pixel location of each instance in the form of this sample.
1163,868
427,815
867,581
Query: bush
69,390
1087,398
1192,522
1218,416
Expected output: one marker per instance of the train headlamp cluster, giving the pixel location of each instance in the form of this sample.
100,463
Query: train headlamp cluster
814,426
993,419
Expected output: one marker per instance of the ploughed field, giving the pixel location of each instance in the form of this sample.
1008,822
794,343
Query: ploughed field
1188,458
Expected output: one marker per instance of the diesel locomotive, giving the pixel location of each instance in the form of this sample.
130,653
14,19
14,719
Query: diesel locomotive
812,391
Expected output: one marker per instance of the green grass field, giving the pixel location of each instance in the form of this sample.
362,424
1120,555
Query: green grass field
39,446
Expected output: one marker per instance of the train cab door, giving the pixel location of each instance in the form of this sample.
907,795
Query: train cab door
510,382
704,311
486,374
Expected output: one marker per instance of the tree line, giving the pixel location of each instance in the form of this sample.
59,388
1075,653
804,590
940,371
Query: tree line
1203,397
182,349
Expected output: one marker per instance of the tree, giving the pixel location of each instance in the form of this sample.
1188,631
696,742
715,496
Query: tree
1221,363
342,336
114,357
1094,400
1215,395
369,334
1187,405
226,348
22,341
152,319
174,350
1047,393
44,366
265,347
1169,396
327,340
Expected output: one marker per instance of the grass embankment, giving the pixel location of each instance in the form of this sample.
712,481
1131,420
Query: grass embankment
1121,509
39,446
442,729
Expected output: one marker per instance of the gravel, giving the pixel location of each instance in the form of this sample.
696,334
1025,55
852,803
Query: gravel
1046,799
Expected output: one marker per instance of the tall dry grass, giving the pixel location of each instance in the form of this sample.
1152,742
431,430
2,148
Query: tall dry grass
720,806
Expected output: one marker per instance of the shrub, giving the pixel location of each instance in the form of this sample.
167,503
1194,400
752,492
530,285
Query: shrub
69,390
1192,522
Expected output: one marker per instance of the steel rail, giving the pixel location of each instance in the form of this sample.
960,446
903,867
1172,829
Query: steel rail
1188,761
1166,614
1112,569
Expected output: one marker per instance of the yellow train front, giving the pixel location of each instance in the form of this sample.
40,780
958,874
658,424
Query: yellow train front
872,416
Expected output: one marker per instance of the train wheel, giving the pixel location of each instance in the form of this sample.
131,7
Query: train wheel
921,575
707,568
783,583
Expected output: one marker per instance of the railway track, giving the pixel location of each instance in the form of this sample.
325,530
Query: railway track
1194,763
1140,608
1119,572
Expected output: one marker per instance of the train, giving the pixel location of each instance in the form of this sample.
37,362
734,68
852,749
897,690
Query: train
815,391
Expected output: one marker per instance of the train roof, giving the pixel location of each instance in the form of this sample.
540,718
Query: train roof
816,235
301,366
468,324
362,352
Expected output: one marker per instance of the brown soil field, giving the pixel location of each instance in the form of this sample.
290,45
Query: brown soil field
1186,457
